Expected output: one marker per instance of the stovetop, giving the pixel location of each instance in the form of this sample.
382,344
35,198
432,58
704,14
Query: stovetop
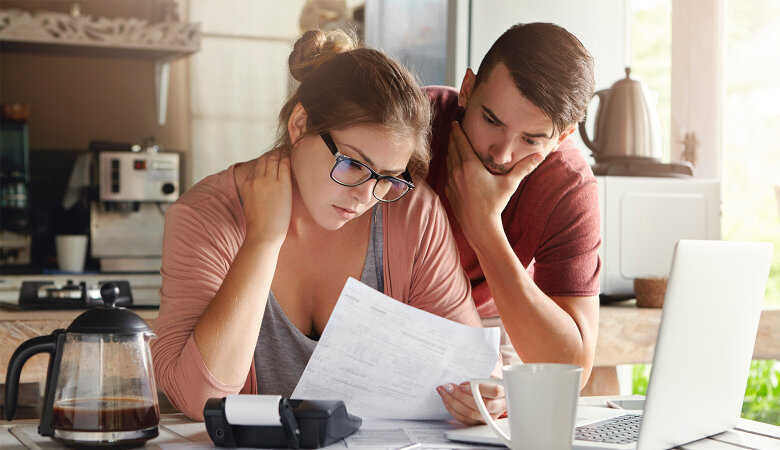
71,295
145,287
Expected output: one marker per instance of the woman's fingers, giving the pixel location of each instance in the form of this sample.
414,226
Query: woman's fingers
272,163
457,409
487,390
460,403
284,169
261,165
267,196
276,165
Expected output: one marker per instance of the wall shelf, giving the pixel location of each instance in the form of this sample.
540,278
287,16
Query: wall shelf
55,33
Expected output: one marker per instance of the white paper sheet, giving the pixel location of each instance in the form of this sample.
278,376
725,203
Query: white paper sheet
395,434
385,358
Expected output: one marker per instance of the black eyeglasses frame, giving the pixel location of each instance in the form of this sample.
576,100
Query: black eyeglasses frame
407,177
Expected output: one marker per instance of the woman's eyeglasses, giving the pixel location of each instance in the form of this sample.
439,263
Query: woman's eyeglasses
349,172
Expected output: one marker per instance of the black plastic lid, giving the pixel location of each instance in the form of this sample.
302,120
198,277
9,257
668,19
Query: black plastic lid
109,319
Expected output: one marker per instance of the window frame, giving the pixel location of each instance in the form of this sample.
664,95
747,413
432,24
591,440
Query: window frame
698,86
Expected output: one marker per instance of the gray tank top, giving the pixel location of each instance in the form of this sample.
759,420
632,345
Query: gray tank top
282,350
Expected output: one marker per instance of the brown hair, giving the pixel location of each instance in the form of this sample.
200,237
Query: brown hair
549,66
343,85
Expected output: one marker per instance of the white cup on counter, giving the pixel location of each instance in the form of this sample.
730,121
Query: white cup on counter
71,252
541,404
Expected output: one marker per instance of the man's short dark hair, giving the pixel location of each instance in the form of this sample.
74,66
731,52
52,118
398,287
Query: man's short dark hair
549,66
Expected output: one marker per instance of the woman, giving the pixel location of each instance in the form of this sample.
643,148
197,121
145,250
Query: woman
254,257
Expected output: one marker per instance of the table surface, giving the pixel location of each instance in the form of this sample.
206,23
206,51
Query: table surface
627,334
176,431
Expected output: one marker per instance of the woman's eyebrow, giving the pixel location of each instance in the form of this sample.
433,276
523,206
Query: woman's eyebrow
371,163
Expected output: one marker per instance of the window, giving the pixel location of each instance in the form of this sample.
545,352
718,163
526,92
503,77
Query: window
747,163
740,39
651,57
751,137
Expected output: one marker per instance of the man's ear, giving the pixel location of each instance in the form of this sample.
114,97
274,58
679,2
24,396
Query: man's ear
296,124
466,87
566,133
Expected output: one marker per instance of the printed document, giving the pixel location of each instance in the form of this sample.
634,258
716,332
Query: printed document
384,358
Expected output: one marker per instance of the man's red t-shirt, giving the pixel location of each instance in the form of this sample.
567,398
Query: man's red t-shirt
552,220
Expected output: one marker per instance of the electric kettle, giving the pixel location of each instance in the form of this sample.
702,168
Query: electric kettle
100,388
626,123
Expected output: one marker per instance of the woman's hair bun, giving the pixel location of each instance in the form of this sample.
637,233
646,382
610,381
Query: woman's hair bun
315,47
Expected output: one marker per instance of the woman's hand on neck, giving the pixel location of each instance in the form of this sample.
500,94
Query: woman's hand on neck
266,197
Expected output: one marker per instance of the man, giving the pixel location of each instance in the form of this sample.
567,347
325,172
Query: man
522,201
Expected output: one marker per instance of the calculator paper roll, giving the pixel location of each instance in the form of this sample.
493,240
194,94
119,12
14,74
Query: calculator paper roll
260,410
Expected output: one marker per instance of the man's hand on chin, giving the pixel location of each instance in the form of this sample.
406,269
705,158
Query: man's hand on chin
476,195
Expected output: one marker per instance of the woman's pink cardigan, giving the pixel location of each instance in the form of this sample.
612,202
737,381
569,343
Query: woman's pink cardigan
204,230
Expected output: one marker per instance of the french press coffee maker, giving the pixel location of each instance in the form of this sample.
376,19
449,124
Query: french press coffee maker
100,388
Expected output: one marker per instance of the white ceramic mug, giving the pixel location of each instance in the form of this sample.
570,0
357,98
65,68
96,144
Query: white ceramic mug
71,252
541,404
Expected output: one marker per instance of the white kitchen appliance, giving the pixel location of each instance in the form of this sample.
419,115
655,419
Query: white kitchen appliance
126,224
148,176
641,220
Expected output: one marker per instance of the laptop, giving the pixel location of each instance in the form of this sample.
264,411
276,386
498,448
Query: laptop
702,355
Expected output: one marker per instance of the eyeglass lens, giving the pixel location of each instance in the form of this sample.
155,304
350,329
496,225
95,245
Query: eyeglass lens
351,173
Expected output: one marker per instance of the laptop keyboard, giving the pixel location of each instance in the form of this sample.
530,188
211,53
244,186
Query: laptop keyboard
618,430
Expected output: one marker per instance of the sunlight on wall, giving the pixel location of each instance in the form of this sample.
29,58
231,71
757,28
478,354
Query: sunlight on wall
750,158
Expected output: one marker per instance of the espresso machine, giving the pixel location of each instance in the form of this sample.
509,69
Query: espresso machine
135,186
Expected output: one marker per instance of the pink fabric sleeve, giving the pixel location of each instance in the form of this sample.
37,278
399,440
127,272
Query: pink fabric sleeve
192,271
422,266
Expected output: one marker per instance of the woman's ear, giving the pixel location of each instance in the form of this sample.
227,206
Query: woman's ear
296,124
